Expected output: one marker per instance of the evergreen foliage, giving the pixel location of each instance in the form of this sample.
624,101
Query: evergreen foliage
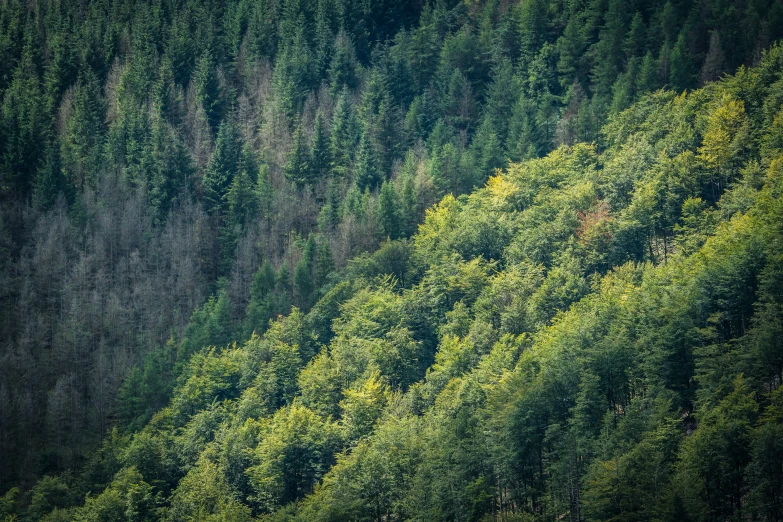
341,260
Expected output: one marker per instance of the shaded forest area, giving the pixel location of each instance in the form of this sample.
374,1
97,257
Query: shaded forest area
594,334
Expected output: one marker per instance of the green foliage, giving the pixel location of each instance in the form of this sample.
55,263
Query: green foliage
222,168
297,167
204,495
296,450
287,191
127,498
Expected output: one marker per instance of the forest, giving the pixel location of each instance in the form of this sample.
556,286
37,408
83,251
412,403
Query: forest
375,260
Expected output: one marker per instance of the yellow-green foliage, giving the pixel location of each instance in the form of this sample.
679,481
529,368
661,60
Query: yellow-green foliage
592,335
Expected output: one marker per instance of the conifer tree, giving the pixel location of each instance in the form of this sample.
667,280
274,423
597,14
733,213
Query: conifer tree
342,139
681,73
533,25
329,217
636,39
49,182
297,166
324,37
208,89
648,79
389,211
715,62
23,126
366,172
222,167
261,306
342,69
320,157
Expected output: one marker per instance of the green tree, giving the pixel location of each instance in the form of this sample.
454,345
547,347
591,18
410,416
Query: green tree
342,69
343,137
261,307
297,166
204,495
23,127
222,168
297,448
715,457
681,71
366,172
389,211
208,89
320,153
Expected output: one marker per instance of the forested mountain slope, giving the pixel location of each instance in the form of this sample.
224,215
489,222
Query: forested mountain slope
593,335
165,161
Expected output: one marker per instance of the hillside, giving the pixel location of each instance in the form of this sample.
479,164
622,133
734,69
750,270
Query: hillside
343,260
594,335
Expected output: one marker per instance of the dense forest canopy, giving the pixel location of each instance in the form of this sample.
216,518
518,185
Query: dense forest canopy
377,260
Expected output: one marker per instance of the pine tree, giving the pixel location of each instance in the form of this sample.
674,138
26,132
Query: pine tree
324,263
488,149
609,50
421,116
571,47
324,37
409,208
624,89
170,168
459,104
283,289
60,71
242,202
502,94
293,75
304,285
264,193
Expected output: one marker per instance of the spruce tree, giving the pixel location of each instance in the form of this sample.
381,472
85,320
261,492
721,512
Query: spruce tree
222,167
320,157
49,182
681,72
208,89
343,138
297,166
342,69
366,173
23,126
388,211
